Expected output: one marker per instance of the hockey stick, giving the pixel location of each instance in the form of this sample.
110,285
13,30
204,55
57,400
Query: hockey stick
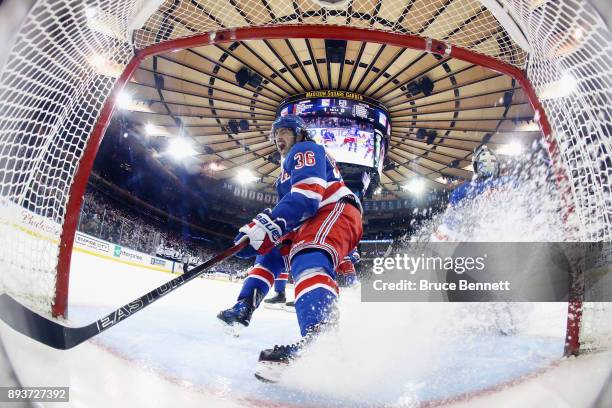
58,336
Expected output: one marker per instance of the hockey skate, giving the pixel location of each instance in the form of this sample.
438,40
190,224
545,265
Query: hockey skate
276,302
275,361
239,315
289,307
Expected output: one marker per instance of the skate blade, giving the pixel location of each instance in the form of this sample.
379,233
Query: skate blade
234,330
273,306
289,309
270,372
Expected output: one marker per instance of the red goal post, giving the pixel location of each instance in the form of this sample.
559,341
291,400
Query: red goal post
284,32
258,33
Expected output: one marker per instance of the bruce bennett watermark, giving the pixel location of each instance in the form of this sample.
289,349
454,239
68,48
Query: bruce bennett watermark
489,271
407,265
425,285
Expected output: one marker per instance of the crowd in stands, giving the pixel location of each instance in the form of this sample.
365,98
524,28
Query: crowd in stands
126,224
105,218
335,122
100,218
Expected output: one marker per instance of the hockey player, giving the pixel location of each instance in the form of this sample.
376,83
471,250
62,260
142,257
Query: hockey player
455,228
279,288
328,137
351,139
486,168
323,219
369,145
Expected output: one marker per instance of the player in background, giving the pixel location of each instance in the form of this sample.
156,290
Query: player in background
486,178
320,216
280,283
369,145
486,181
351,139
328,137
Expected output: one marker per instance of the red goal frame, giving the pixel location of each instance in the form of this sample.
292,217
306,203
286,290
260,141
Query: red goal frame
318,31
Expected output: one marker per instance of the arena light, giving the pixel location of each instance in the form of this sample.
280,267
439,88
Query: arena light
105,22
578,33
214,166
124,100
415,186
180,148
97,60
105,66
569,82
513,148
151,129
245,176
91,12
562,88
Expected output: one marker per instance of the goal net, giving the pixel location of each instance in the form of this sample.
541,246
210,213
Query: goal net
71,59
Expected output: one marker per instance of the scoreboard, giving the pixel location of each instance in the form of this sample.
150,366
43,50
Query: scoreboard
335,107
354,129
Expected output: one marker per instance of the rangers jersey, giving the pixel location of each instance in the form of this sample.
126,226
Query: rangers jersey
309,180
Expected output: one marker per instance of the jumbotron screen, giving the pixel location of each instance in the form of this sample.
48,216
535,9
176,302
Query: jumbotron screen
352,131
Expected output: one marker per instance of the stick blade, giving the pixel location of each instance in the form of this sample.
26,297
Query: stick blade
31,324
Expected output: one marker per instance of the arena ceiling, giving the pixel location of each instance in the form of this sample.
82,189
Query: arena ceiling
193,93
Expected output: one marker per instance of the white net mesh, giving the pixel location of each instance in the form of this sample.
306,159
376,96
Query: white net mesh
571,47
51,98
465,23
68,54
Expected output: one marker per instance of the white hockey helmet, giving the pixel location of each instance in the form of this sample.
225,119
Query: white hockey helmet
485,163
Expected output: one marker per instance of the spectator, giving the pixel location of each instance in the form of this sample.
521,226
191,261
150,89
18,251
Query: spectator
104,218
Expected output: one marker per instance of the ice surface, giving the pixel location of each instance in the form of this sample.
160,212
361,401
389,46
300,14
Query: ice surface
383,354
